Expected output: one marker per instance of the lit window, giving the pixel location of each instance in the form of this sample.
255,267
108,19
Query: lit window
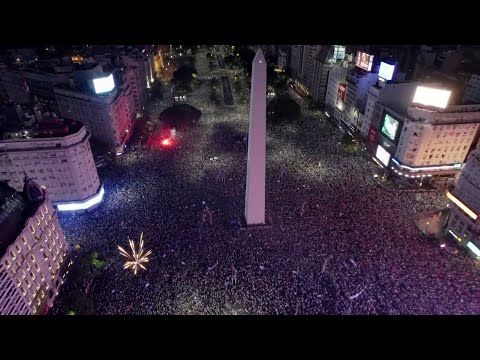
23,274
18,282
24,240
53,226
24,292
38,220
32,229
42,213
8,264
34,310
49,217
28,283
19,249
56,235
12,255
42,294
49,232
32,275
37,267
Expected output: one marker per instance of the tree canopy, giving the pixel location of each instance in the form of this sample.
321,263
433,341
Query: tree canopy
283,109
180,116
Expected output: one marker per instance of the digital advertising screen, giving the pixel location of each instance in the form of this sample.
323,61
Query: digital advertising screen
364,61
103,85
432,97
390,127
382,155
386,71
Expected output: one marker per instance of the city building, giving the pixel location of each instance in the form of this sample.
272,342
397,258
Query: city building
55,153
318,78
283,60
33,250
463,224
138,76
430,139
358,85
472,90
107,109
336,90
397,95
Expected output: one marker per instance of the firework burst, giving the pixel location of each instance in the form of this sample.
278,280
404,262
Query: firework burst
136,259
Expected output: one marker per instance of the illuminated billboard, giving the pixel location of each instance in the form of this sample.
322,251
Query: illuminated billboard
364,61
382,155
103,85
390,127
386,71
432,97
342,93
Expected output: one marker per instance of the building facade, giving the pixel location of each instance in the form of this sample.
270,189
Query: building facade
34,252
359,83
472,90
426,142
108,117
62,163
463,224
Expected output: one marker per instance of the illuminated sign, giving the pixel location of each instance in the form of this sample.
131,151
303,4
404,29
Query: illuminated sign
342,93
430,168
103,85
461,205
432,97
386,71
474,249
454,235
382,155
373,135
364,61
390,127
82,205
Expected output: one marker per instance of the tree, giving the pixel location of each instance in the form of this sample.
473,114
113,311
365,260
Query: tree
157,91
283,109
237,85
184,76
85,269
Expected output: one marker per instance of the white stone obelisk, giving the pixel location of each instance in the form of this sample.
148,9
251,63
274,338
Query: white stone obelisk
257,132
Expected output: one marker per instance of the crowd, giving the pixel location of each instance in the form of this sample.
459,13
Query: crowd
338,241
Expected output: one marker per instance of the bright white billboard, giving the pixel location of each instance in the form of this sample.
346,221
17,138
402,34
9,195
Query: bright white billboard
382,155
103,85
386,71
432,97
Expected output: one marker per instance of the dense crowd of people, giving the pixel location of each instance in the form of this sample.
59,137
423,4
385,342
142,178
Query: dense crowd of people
337,242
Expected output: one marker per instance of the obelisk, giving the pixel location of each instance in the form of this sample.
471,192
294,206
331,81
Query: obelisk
257,132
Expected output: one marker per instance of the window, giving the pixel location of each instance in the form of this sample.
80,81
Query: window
19,249
32,229
24,240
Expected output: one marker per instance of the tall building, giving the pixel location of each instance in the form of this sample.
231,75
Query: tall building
33,250
463,223
392,94
428,139
55,153
296,60
358,85
105,107
138,77
336,90
283,60
318,80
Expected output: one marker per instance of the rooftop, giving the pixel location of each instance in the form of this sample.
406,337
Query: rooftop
48,127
